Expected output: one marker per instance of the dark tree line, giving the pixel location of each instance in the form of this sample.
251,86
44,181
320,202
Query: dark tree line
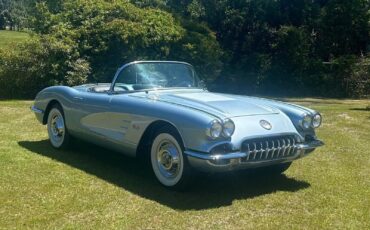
298,47
270,47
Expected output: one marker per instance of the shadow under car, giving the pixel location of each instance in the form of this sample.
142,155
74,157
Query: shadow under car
207,191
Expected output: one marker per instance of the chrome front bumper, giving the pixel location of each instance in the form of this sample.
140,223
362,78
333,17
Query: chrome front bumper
235,160
38,113
36,110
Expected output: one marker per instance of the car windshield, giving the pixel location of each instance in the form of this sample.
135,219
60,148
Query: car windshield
156,75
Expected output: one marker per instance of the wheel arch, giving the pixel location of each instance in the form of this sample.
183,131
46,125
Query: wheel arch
48,108
146,139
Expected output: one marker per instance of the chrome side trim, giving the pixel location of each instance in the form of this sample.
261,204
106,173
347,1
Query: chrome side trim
310,145
36,110
205,156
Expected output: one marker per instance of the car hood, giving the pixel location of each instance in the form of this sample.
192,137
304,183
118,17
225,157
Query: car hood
221,105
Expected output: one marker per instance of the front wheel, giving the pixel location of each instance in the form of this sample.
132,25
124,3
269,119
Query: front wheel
57,131
168,162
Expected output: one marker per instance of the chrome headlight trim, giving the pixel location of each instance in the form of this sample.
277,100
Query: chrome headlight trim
215,129
228,128
306,122
316,120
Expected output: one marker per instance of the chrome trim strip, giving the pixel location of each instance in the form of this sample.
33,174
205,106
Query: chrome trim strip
205,156
36,110
310,145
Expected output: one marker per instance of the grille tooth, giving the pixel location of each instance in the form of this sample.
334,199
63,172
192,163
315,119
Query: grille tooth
294,148
284,147
281,148
271,148
254,150
267,149
265,152
262,150
289,147
293,144
249,150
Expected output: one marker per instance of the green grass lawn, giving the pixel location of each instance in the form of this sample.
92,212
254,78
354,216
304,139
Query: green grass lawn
10,37
90,187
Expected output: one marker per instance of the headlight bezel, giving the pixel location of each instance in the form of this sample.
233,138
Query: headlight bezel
317,125
231,128
220,128
306,122
213,127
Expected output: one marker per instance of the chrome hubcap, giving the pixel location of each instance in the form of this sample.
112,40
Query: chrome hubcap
57,126
168,159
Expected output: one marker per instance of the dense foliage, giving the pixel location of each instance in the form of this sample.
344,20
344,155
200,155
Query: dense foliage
281,47
87,40
286,47
14,13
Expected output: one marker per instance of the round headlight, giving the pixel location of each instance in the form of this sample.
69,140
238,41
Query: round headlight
307,121
228,128
215,130
316,121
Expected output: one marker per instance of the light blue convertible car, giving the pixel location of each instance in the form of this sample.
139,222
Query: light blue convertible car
160,110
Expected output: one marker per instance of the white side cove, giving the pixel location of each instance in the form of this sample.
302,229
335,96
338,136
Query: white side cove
117,127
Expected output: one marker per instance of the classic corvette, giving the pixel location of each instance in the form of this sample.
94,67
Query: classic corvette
160,110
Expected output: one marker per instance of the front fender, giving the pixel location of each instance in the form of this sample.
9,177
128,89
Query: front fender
61,94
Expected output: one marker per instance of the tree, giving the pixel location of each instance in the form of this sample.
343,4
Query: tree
87,40
14,13
344,28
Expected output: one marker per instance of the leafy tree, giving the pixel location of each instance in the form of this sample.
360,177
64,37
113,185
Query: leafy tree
344,28
4,13
87,40
14,13
270,45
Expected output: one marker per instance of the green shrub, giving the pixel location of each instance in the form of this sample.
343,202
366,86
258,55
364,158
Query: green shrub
87,40
109,34
40,62
359,79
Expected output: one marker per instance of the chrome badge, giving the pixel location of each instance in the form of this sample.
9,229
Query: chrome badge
265,124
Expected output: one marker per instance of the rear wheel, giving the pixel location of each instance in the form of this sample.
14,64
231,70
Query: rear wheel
57,131
167,159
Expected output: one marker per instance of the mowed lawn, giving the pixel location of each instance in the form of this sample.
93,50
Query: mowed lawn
11,37
90,187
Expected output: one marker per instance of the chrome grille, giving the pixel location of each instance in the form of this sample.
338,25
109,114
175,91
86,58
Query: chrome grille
269,148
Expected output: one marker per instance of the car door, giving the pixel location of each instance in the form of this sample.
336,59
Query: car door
105,122
89,114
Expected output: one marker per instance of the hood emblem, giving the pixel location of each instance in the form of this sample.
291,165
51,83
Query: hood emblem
265,124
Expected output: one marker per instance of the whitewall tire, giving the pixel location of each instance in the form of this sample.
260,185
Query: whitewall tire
167,159
57,131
